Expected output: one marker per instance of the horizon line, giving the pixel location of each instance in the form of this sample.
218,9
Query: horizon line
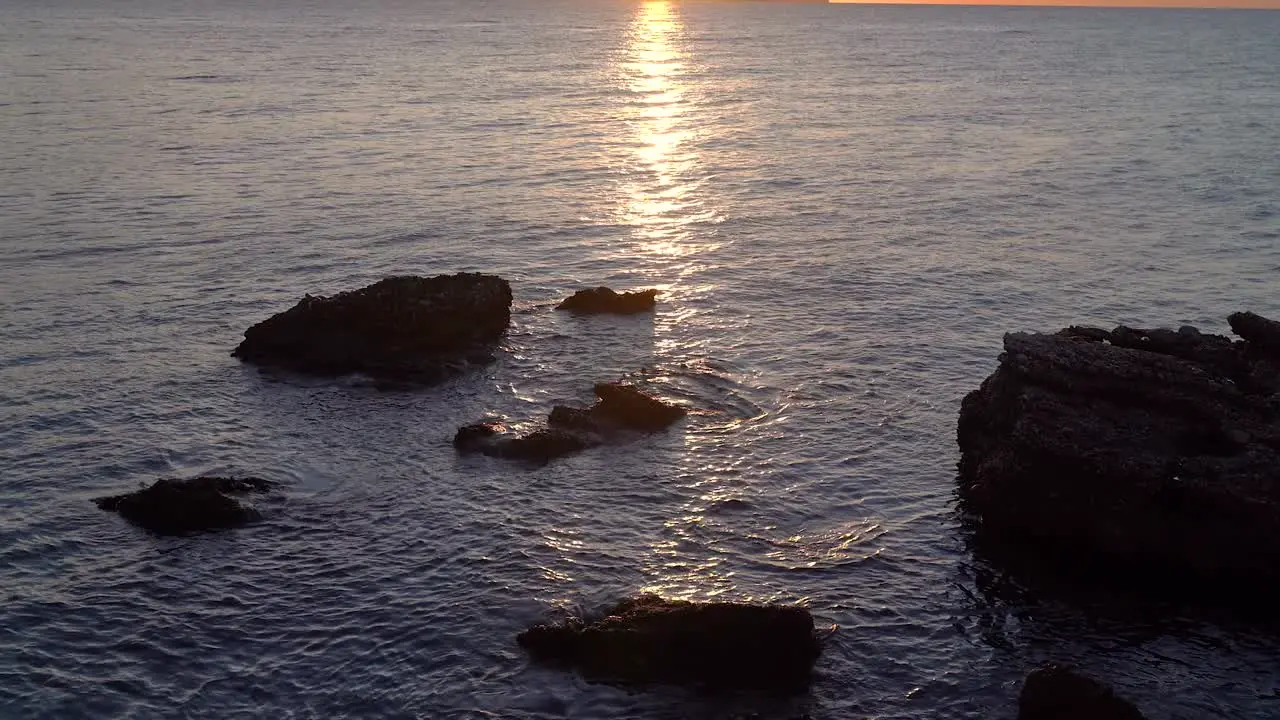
1116,4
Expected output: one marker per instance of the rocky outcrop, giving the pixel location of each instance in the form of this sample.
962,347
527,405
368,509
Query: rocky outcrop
1154,450
620,408
599,300
715,646
402,329
1261,332
1056,693
172,507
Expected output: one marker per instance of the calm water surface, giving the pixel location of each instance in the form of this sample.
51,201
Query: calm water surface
844,206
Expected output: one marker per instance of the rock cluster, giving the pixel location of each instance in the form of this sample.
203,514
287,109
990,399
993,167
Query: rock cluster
403,329
1157,451
715,646
599,300
1056,693
172,507
621,407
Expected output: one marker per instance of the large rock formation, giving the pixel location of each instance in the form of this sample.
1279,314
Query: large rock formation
621,408
594,301
1155,451
716,646
1056,693
404,329
171,507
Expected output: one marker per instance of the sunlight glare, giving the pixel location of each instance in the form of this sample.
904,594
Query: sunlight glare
658,201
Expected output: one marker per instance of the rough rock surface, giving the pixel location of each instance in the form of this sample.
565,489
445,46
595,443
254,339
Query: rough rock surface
1056,693
1152,450
170,506
404,329
621,407
604,300
717,646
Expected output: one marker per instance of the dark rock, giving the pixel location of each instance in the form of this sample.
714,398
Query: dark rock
627,406
621,407
603,300
1056,693
716,646
1262,334
574,419
476,435
1152,450
401,329
170,507
539,446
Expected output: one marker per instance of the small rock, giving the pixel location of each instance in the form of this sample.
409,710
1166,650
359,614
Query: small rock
626,405
472,437
539,446
171,507
604,300
1056,693
714,646
621,407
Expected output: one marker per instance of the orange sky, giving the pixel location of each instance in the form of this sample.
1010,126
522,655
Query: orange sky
1257,4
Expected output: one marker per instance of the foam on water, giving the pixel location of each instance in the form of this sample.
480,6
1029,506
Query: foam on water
845,208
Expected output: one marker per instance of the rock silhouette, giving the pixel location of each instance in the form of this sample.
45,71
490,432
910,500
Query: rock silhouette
621,407
171,507
1261,332
715,646
1056,693
1155,452
405,329
604,300
540,446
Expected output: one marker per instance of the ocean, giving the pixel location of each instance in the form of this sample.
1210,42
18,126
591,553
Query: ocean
845,207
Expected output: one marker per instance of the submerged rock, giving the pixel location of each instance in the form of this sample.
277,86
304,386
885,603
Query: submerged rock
171,506
1153,452
1056,693
621,407
717,646
540,446
604,300
403,329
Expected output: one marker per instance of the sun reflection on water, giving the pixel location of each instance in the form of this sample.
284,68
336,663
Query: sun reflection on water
661,198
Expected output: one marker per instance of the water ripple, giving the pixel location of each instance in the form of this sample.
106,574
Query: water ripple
844,209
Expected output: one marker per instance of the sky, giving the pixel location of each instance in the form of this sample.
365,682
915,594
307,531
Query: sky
1257,4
